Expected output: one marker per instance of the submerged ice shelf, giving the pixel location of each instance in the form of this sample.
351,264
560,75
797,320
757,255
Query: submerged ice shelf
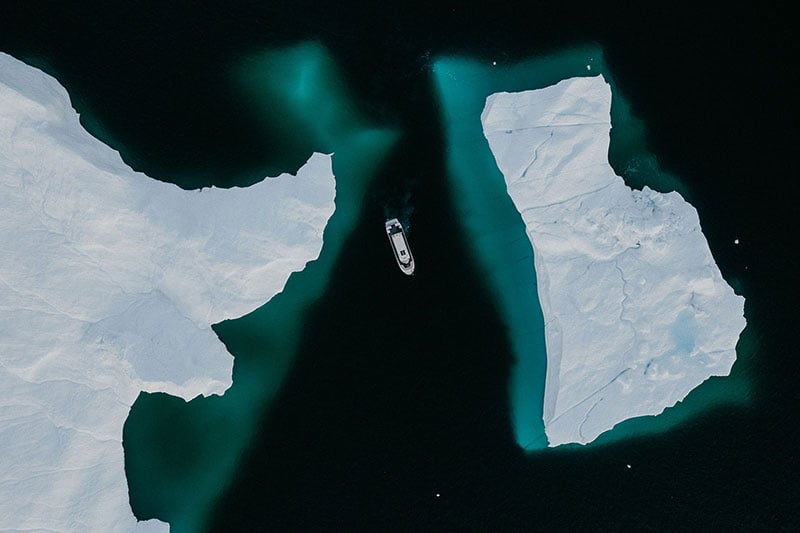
109,284
636,311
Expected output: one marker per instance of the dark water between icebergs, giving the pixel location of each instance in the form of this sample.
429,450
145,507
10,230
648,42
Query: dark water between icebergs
365,400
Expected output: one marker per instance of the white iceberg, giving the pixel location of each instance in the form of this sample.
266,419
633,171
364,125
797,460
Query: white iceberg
109,283
636,311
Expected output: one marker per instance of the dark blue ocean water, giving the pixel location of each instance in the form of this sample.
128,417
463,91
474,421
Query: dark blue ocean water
349,428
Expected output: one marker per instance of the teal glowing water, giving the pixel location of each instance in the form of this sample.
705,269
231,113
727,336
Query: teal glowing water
179,457
500,243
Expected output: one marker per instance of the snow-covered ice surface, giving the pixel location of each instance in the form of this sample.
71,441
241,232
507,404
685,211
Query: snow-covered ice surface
636,311
109,283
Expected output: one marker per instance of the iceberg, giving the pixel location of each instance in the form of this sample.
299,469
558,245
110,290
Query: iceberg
109,284
636,312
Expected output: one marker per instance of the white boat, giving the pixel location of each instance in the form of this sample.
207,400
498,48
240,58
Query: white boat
402,252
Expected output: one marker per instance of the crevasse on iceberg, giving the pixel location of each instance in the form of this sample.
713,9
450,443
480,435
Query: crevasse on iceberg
636,311
109,283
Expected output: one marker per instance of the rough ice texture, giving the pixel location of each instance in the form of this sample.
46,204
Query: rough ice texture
636,311
109,282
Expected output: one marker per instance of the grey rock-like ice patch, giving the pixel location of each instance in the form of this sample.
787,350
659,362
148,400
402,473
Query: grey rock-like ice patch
109,283
636,311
